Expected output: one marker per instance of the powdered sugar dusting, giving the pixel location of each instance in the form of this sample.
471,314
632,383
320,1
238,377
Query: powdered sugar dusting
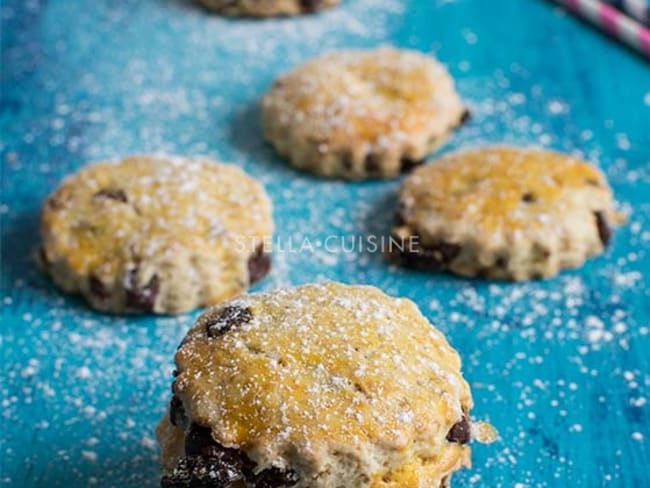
98,80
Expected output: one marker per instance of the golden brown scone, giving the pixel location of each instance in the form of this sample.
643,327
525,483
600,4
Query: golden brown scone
319,386
503,213
267,8
362,114
156,234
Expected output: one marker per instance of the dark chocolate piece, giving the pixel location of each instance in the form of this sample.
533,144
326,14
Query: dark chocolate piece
229,317
434,257
259,264
98,288
604,230
407,164
113,194
371,163
461,432
141,298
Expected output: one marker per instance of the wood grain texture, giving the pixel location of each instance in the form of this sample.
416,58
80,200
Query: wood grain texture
560,367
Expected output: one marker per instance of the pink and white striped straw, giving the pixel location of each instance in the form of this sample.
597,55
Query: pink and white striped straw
612,21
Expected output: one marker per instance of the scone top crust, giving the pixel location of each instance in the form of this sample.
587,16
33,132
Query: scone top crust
113,217
500,194
386,102
300,376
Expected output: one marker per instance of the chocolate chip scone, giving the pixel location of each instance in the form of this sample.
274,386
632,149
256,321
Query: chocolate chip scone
266,8
503,213
156,234
362,114
320,386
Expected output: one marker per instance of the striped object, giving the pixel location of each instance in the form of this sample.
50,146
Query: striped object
639,9
612,21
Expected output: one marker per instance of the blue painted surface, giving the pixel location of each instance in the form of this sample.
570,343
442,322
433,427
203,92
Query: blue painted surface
560,367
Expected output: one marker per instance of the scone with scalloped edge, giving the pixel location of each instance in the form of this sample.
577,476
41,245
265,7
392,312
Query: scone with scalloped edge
156,234
267,8
319,386
503,213
362,113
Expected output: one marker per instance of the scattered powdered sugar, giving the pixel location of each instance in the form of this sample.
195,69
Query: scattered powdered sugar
549,362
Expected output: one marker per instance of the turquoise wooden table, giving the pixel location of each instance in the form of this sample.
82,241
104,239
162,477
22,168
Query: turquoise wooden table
560,367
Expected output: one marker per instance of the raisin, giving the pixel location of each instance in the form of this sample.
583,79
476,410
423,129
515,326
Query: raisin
229,317
461,432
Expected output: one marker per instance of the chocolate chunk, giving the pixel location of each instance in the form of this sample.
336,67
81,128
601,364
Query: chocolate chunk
97,288
310,5
259,265
348,161
427,258
501,261
461,432
41,257
528,197
274,478
141,298
201,472
55,203
177,414
199,441
466,117
371,163
229,317
209,464
592,182
604,230
113,194
407,164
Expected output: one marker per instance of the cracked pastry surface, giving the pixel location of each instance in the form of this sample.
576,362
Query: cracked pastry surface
503,213
318,386
362,114
266,8
156,234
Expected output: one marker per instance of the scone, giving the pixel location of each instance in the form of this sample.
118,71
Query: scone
266,8
320,386
503,213
362,114
156,234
